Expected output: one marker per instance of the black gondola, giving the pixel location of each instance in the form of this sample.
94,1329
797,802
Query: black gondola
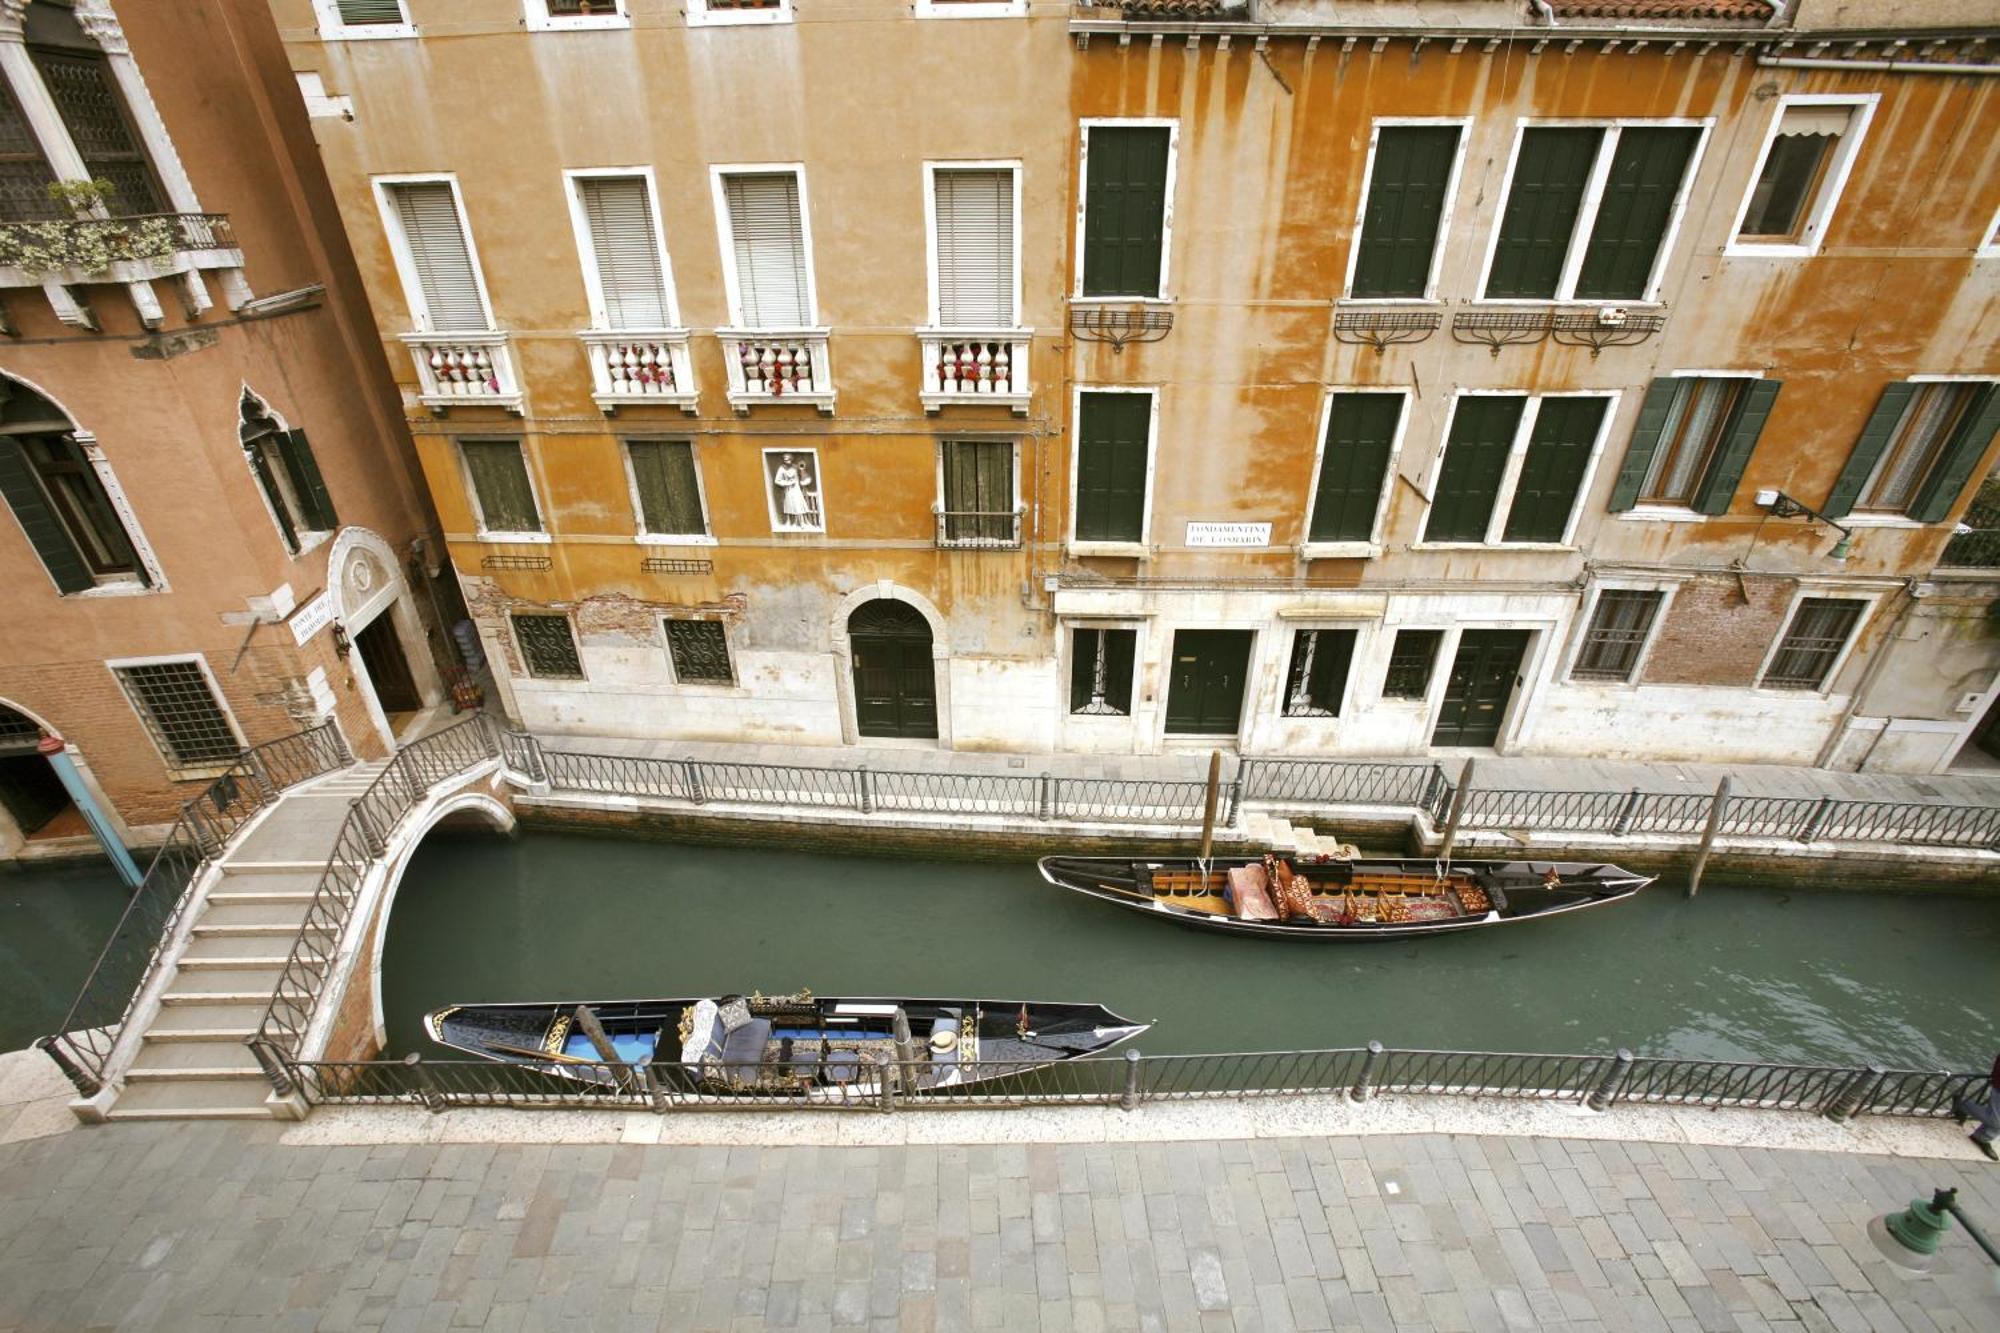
1327,899
785,1045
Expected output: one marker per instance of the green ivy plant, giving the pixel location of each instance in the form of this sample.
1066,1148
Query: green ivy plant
88,242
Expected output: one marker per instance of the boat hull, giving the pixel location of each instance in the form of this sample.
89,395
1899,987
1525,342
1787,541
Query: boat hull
1504,892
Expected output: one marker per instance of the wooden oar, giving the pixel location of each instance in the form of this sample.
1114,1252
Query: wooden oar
558,1056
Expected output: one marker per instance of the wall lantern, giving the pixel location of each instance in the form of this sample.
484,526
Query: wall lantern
340,644
1782,505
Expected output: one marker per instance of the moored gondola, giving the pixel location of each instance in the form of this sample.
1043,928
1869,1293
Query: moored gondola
784,1045
1329,899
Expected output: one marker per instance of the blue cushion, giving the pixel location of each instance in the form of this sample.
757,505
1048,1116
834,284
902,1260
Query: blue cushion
745,1045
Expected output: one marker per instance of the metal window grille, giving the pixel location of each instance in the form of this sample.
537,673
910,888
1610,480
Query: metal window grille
82,89
1318,673
357,12
700,650
548,646
179,709
17,730
1819,630
563,9
1617,632
1410,663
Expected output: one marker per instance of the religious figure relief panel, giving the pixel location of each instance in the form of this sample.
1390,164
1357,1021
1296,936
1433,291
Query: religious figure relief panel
792,484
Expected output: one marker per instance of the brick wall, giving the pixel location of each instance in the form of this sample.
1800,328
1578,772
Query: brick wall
1718,631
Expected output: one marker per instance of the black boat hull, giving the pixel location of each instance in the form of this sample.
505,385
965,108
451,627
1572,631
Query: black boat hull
1516,891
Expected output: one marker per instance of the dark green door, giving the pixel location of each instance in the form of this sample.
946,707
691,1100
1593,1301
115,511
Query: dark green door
895,685
1205,693
1481,683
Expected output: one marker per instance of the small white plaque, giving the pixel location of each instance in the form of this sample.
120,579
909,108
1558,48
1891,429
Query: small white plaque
311,618
1229,534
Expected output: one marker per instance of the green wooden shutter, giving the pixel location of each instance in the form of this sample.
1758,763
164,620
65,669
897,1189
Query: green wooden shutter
1955,464
1360,427
1550,173
1111,466
44,530
307,483
1639,194
1558,452
669,496
1125,192
500,480
1118,647
1718,488
260,467
1475,458
1399,223
1868,449
1645,442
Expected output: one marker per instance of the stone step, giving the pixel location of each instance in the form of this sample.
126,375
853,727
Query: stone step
263,949
217,960
299,898
192,1059
235,1014
314,869
231,1098
192,985
207,929
236,1032
285,913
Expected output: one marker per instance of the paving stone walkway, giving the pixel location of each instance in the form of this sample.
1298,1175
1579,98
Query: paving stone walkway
220,1226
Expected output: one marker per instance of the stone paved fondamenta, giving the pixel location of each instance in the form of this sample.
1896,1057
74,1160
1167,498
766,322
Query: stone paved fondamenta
221,1226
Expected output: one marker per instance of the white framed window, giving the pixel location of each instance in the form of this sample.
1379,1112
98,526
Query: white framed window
1116,429
1617,631
627,274
1590,209
723,13
504,502
435,258
575,15
1404,218
978,492
1515,467
1989,247
1354,462
972,214
182,710
766,235
287,474
1102,667
972,9
669,502
793,491
1820,631
361,20
1124,241
1802,168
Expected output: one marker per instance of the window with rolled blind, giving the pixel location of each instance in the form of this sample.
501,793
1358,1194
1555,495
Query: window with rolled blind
1794,172
669,494
447,298
500,485
768,250
973,213
624,252
360,13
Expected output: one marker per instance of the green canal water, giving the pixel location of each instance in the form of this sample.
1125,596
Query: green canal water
54,920
1740,973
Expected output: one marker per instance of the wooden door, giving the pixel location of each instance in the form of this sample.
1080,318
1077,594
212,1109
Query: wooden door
1205,688
895,679
388,669
1481,682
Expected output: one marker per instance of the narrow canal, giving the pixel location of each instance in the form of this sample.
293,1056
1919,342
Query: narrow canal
1740,973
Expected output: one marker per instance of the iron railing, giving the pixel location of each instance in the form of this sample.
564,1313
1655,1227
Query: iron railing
363,838
84,1042
1131,1080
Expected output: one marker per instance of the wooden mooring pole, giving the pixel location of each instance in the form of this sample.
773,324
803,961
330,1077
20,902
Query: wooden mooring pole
1715,810
1208,803
606,1052
1458,800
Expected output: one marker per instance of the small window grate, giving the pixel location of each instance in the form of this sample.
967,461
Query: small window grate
663,565
700,650
1618,630
548,646
1819,631
1410,663
17,730
180,711
522,562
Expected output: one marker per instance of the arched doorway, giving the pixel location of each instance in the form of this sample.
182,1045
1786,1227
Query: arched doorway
895,681
32,797
379,615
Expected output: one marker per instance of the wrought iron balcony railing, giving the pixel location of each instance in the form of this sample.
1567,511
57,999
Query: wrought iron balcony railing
85,248
1974,548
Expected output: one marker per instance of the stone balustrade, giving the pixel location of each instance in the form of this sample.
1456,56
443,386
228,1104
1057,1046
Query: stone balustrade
777,366
975,366
640,366
464,370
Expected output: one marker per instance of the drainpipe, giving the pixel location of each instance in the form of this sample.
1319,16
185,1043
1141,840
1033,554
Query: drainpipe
1548,14
1866,682
53,749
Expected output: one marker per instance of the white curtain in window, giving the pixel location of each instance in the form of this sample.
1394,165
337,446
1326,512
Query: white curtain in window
429,216
620,219
768,237
975,249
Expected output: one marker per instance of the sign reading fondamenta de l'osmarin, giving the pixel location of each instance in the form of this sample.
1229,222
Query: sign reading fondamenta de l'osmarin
1229,534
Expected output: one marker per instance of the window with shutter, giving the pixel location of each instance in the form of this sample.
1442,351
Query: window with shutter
447,298
1124,209
1360,434
663,476
500,486
1558,454
1932,448
978,480
1700,413
624,252
1112,442
1820,629
65,510
1316,678
768,250
1477,447
973,213
1551,169
87,98
1648,166
1619,626
1408,180
285,470
1100,671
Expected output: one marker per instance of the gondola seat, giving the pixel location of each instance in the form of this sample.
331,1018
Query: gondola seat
744,1045
1250,892
842,1067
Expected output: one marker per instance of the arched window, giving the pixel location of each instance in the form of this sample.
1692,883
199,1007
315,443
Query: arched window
55,492
283,464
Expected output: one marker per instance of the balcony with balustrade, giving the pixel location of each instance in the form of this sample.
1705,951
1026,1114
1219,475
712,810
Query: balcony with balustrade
640,367
975,366
464,370
777,366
